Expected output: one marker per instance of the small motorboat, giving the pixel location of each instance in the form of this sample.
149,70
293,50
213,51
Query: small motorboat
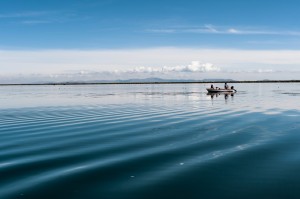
220,90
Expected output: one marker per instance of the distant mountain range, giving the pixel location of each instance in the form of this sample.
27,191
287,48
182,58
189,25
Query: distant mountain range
154,80
173,80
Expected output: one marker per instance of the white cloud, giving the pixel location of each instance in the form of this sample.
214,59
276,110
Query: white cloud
210,29
42,17
25,14
168,63
233,31
195,66
162,30
34,22
266,71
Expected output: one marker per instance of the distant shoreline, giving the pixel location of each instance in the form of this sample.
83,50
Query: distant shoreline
175,82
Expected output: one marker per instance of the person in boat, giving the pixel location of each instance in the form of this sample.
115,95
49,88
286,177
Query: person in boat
212,86
232,88
226,86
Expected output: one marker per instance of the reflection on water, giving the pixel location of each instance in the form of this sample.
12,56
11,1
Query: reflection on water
225,94
149,141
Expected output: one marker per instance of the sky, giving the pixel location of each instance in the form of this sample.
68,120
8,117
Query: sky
118,39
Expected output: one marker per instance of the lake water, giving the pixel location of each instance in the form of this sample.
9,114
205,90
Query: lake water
149,141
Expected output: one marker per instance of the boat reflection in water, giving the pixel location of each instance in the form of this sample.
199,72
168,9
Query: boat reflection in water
226,94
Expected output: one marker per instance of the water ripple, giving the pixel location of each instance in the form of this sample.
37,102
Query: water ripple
149,150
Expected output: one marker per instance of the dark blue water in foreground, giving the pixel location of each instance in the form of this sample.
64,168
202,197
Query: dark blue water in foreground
149,141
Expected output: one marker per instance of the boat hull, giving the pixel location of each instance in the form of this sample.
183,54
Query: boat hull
211,90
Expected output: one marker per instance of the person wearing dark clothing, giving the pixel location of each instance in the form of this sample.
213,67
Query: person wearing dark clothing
226,86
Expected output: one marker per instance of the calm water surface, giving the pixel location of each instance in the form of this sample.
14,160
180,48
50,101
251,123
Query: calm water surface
149,141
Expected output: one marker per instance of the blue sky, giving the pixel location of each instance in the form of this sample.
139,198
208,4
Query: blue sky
94,24
61,29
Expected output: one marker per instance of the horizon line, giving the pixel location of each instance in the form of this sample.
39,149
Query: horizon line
154,82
